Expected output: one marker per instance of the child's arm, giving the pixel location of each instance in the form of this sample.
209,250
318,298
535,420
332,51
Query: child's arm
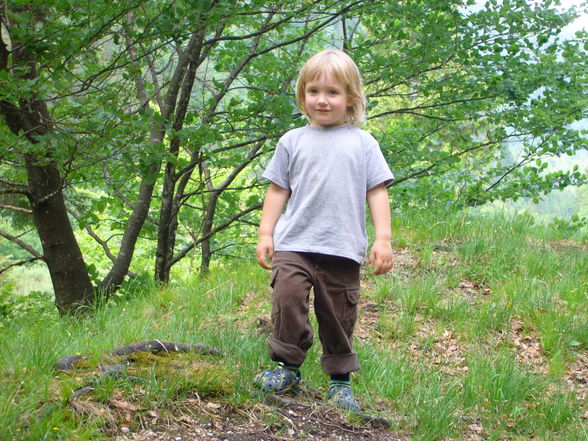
275,199
381,254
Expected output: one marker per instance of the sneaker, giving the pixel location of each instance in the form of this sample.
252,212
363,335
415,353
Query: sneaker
279,381
341,395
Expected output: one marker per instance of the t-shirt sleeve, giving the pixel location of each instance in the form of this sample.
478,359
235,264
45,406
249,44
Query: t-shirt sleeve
277,170
378,171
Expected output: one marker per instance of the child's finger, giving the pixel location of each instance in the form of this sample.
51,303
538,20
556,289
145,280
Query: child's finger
382,266
266,257
378,266
262,259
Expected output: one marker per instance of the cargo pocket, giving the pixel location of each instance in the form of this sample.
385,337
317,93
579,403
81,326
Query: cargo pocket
350,315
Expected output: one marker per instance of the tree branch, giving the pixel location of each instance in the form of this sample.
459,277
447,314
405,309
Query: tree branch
264,30
92,234
513,168
424,115
435,164
413,110
23,193
22,244
123,198
221,227
19,209
22,262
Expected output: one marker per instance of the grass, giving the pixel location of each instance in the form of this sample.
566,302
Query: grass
480,332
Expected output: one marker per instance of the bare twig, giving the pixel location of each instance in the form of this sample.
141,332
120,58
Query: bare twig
22,262
13,208
92,234
21,244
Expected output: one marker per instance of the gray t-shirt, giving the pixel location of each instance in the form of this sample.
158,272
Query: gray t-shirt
328,171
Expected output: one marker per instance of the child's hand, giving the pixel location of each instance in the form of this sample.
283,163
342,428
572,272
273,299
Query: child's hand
381,257
265,251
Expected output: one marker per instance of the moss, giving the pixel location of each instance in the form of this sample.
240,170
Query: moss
173,374
211,380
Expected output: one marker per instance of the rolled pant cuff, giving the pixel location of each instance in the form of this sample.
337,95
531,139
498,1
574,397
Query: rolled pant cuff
286,352
338,364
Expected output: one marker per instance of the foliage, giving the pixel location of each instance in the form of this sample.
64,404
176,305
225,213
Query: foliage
163,114
33,302
492,85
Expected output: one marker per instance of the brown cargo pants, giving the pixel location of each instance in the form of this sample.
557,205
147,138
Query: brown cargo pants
336,292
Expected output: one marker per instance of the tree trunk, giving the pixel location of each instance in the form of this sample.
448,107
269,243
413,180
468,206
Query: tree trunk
165,245
208,221
120,268
168,215
69,275
171,202
206,231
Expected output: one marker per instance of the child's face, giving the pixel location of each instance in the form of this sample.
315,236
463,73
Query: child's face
326,102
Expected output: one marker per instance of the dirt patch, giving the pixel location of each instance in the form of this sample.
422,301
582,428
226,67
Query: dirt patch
405,263
290,419
367,320
528,351
473,290
527,347
444,351
563,245
577,377
449,354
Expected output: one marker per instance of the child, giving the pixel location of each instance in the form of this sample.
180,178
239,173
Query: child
325,171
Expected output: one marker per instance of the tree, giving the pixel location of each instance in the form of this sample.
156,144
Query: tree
96,126
582,199
29,119
154,119
462,86
242,103
68,115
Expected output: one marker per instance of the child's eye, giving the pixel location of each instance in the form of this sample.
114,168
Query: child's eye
333,92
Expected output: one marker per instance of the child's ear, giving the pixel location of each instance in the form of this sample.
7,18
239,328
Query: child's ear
350,101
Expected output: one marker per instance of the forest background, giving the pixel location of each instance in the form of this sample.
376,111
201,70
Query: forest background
134,134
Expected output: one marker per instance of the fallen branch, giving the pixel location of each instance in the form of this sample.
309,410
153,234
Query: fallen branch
119,370
153,346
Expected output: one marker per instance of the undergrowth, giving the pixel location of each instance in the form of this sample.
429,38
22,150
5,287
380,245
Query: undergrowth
479,332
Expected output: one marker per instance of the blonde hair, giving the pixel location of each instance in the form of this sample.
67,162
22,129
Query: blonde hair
335,64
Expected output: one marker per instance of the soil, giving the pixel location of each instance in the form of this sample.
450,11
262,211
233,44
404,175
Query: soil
280,419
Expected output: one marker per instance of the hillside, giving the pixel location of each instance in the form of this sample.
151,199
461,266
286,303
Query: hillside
479,332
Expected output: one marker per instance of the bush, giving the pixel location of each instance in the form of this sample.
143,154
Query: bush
15,305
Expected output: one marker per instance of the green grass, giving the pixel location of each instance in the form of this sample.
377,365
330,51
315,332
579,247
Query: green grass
480,326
